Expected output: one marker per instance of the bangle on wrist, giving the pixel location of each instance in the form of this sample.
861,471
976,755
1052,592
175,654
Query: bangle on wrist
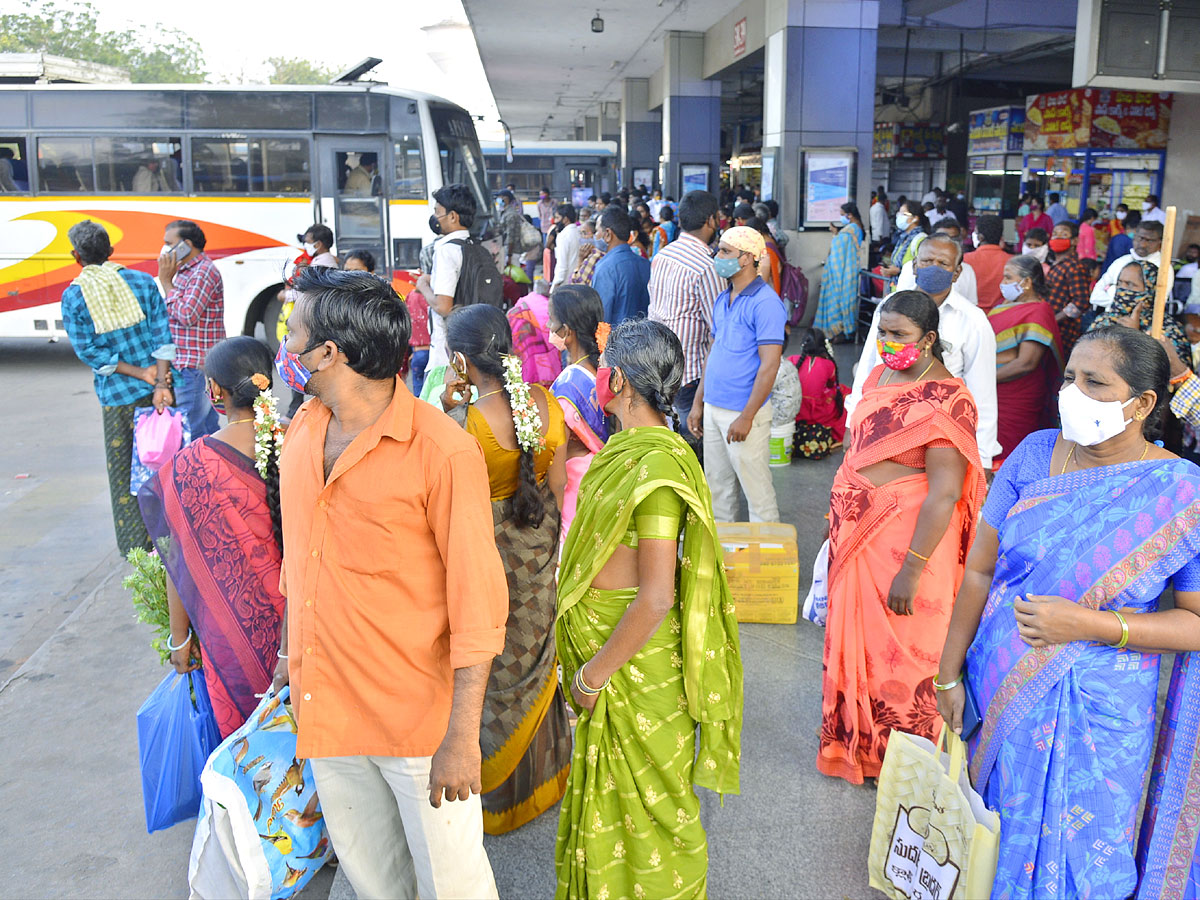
937,686
281,654
1120,645
187,640
586,689
918,555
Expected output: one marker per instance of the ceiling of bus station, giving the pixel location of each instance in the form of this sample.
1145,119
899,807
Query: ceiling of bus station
547,69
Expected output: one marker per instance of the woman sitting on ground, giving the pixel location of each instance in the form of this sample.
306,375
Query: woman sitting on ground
525,735
212,511
821,422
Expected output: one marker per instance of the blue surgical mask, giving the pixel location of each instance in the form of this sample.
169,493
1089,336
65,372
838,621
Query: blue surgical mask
934,279
902,221
845,219
727,268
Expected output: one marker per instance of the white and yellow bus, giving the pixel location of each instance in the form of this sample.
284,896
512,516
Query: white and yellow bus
254,167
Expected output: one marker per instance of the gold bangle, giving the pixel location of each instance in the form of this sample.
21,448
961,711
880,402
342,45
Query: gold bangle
1120,645
945,687
584,687
918,555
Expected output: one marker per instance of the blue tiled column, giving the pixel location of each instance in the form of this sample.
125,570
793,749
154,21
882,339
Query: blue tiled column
641,130
691,116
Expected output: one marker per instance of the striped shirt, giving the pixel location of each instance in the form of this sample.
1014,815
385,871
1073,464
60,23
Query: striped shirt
683,287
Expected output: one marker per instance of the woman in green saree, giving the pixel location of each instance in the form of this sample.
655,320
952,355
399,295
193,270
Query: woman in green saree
648,644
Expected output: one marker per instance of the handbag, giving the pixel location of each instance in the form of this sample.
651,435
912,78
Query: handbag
176,732
816,604
261,833
933,837
144,418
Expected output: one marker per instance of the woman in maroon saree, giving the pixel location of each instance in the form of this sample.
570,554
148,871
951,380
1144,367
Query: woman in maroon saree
215,523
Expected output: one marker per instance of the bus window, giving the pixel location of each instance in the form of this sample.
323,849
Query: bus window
14,169
140,165
461,158
65,164
410,175
250,165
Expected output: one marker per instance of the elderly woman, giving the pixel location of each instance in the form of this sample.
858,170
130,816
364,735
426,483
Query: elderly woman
1028,354
902,513
1056,631
1133,301
648,644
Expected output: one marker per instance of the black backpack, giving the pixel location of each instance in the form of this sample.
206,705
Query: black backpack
479,280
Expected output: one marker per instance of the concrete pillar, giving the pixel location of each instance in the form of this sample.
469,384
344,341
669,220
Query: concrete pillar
591,128
819,91
691,114
641,131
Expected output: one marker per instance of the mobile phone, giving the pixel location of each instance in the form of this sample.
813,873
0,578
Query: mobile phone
458,362
971,719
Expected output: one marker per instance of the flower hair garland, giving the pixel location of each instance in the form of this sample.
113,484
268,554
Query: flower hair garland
268,436
602,332
526,418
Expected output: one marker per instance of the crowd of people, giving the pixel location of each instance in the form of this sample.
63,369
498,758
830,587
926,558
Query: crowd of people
545,583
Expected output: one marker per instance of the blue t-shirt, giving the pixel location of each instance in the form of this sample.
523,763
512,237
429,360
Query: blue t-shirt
622,280
755,317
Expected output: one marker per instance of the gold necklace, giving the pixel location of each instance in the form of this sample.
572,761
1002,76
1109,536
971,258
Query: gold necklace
239,421
1071,455
918,378
488,394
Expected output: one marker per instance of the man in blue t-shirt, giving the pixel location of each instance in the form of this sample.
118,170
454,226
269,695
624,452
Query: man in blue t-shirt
621,277
732,409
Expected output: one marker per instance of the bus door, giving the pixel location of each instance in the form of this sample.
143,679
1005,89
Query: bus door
353,195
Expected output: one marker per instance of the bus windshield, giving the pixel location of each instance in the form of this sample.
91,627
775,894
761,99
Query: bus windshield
461,158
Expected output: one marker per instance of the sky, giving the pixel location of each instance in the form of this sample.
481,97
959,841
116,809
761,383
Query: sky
238,36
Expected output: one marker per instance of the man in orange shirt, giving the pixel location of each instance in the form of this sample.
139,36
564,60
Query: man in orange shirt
397,599
988,260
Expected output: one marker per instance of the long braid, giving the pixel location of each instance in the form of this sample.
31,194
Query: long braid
272,482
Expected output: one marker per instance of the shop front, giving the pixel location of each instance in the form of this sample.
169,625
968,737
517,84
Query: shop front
909,158
994,144
1096,148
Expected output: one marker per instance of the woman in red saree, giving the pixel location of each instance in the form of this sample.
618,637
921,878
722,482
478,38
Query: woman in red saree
902,517
1029,358
215,523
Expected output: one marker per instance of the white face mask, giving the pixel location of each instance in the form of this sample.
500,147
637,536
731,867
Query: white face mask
310,249
976,239
1038,253
1087,421
1147,206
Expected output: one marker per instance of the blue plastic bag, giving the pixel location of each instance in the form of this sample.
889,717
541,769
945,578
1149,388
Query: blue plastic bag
261,833
176,734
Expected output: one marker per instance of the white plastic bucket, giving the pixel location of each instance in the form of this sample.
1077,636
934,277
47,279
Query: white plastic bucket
781,444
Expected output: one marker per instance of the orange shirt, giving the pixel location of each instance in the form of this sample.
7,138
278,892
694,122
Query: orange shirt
988,262
392,577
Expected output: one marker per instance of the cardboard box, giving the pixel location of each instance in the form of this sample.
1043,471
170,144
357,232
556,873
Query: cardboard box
763,566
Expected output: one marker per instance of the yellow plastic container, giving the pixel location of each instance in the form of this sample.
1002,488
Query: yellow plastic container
762,563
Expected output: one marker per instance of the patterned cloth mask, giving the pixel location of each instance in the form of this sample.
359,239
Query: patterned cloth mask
896,355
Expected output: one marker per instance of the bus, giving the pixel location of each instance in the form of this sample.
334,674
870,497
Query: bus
254,167
572,170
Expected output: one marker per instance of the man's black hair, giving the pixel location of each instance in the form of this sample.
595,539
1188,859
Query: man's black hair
322,233
696,208
990,229
616,220
188,231
361,314
567,211
457,198
368,159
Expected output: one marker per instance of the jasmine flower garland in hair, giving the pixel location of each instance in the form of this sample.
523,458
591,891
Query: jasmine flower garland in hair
268,436
526,418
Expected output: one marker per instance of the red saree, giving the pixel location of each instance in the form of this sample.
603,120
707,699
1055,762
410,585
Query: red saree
206,511
879,666
1026,404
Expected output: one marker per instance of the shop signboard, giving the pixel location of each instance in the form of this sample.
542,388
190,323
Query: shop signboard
1097,119
920,140
884,146
997,130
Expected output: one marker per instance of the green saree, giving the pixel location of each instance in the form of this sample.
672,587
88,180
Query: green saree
630,821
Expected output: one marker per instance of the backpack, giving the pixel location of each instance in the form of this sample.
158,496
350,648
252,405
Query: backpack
793,288
531,238
478,280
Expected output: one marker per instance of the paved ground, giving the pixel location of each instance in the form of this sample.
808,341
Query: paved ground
70,796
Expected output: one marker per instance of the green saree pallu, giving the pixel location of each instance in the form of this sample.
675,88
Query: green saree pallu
630,821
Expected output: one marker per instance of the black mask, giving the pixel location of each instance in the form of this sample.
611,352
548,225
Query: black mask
434,225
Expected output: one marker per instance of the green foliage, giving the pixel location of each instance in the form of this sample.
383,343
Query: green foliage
292,70
148,585
151,54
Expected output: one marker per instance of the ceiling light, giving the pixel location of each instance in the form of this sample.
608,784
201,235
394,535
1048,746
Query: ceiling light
597,23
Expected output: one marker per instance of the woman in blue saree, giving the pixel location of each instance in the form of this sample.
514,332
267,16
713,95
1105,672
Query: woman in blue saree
1058,631
837,311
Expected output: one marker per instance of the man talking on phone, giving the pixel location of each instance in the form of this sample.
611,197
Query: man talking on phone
196,313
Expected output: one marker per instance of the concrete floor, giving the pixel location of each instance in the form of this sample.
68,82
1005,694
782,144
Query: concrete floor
70,794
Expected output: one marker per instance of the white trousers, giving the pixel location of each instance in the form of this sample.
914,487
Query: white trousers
745,463
390,841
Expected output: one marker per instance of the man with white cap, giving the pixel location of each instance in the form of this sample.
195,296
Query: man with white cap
732,408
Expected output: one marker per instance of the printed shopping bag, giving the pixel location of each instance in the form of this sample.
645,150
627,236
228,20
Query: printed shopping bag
176,732
816,604
139,472
933,837
261,834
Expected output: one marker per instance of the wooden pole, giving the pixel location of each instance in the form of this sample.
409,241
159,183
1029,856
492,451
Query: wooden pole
1164,280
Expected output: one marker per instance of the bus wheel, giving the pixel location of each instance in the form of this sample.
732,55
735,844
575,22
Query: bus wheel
270,323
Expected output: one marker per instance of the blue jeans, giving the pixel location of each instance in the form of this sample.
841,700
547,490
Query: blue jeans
191,396
420,359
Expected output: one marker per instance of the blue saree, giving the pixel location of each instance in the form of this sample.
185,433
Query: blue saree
1068,729
837,311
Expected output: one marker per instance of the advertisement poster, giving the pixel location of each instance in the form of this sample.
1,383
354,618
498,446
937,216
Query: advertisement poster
767,189
827,180
997,130
694,178
884,146
1096,119
643,178
920,140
